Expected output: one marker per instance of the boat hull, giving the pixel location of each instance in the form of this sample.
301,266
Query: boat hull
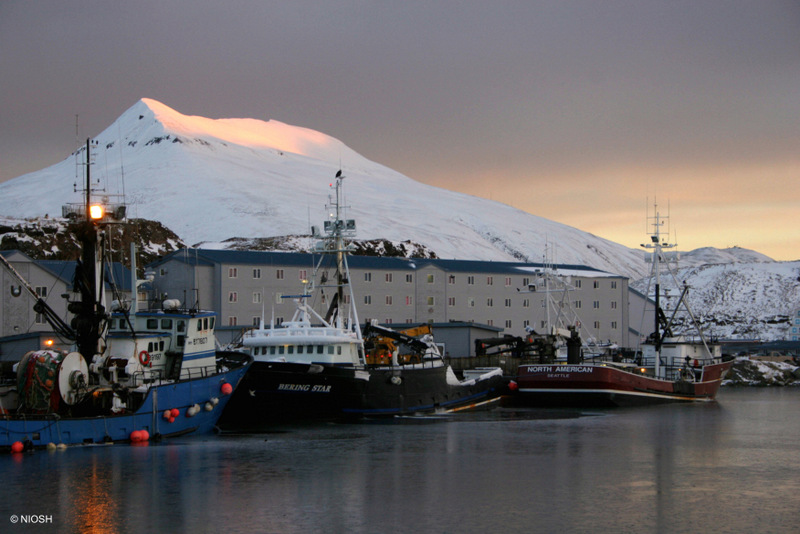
606,385
40,430
278,392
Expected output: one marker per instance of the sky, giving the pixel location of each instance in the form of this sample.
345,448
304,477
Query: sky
582,112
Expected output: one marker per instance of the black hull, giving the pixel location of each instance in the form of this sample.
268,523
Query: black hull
277,392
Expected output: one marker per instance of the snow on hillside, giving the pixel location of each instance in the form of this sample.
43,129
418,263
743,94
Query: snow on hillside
209,180
739,300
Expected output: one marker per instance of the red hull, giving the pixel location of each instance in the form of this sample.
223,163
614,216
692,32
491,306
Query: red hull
598,384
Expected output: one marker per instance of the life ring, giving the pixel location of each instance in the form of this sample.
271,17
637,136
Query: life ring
144,358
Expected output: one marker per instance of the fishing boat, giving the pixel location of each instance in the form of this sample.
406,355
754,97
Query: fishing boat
134,376
670,367
318,366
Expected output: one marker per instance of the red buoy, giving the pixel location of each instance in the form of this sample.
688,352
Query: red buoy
174,412
512,386
226,389
136,435
17,446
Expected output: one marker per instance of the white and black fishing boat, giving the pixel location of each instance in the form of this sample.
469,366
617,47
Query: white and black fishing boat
317,366
133,376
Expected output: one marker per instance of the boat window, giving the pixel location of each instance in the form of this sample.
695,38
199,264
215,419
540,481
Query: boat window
181,340
161,346
330,349
205,323
281,349
310,349
152,324
199,324
166,324
150,347
338,349
181,326
272,350
111,323
212,322
290,349
319,349
300,349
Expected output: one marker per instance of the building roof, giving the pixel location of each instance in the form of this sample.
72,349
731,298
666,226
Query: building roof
210,257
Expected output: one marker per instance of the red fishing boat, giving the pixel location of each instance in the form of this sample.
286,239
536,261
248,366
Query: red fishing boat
669,368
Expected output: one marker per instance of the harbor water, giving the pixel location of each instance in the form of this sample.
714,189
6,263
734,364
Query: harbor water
729,466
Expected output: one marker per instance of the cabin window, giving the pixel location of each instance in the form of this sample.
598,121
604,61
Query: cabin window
290,349
272,350
152,324
166,324
320,349
310,349
181,340
111,324
281,349
161,346
150,347
300,349
330,349
199,324
205,323
181,326
338,349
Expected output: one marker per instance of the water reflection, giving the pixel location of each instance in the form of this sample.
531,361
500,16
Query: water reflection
727,466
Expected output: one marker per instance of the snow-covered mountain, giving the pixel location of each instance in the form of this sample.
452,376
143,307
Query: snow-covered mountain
209,180
212,180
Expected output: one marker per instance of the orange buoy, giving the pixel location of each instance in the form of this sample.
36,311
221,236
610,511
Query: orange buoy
136,435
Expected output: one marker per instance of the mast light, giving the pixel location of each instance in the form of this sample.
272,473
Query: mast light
96,212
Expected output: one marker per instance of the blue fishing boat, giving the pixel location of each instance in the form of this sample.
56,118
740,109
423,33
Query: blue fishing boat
134,376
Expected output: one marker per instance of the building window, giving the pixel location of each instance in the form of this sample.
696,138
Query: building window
279,274
613,304
367,299
233,296
508,323
257,273
490,322
431,278
41,291
257,297
595,284
577,305
451,301
388,277
431,301
613,325
409,278
489,280
526,303
508,303
388,300
40,319
544,325
256,321
409,301
368,277
471,302
233,272
451,279
597,325
526,323
526,281
302,274
471,280
578,284
232,321
508,281
279,298
346,299
490,302
596,304
614,284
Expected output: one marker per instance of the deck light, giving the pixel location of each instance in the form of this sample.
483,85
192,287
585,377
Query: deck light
96,212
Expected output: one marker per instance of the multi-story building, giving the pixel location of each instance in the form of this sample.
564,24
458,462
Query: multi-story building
244,286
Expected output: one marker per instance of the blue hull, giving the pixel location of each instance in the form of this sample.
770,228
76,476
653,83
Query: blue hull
40,430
